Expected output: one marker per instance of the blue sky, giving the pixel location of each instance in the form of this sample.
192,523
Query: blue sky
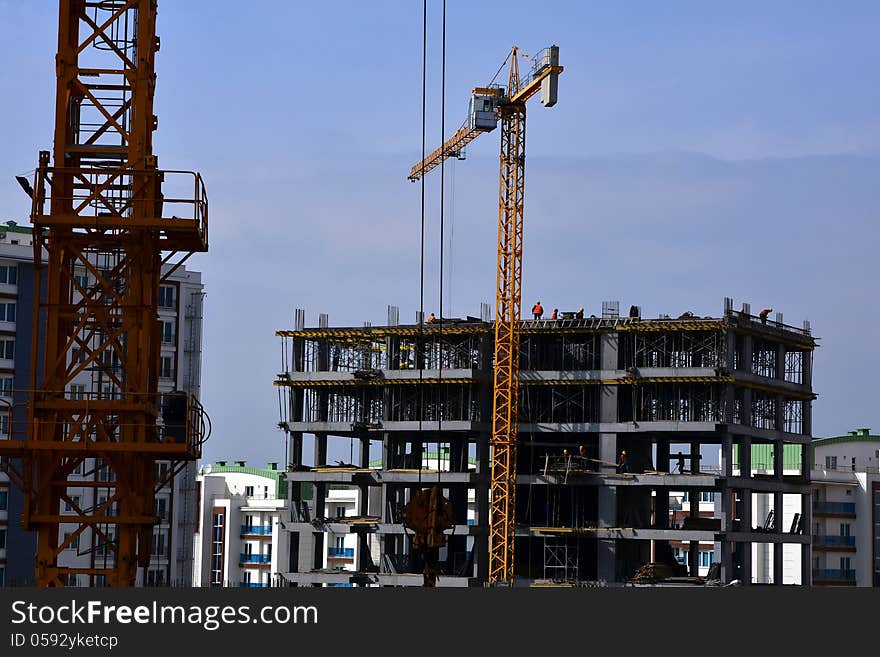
698,151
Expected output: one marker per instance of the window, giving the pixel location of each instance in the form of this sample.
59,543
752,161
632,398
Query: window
166,367
158,543
6,386
705,559
166,296
831,463
168,332
340,511
246,577
7,348
74,543
82,279
340,542
161,470
77,391
2,576
4,423
100,580
9,274
845,563
2,539
67,505
853,461
4,500
7,311
217,550
844,529
161,507
707,496
248,491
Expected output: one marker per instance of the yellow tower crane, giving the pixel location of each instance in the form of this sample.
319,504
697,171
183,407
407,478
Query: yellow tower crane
488,105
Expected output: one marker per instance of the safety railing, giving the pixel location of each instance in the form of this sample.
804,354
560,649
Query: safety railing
834,541
833,574
255,558
340,552
262,530
99,195
834,507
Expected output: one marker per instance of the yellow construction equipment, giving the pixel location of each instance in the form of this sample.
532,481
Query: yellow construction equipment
489,104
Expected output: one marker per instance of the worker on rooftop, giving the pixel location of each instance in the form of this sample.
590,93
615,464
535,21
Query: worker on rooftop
579,314
763,314
431,318
537,310
555,314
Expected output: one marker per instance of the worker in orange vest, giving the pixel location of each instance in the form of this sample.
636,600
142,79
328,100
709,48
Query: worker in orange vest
431,318
538,310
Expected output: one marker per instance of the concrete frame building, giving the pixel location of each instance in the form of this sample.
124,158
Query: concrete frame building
181,301
662,390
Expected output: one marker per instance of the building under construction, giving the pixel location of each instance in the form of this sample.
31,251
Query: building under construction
617,416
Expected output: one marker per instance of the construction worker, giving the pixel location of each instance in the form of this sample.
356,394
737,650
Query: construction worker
763,314
582,451
537,310
579,314
555,314
431,318
680,462
622,465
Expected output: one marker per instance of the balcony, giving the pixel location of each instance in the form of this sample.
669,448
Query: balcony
340,553
254,585
834,508
255,558
259,530
834,542
833,575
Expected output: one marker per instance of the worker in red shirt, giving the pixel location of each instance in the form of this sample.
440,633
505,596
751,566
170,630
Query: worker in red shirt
555,314
537,310
763,314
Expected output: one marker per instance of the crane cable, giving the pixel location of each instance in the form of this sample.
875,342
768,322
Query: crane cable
419,346
442,199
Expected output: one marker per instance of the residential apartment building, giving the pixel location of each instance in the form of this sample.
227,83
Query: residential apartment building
181,300
4,523
846,510
239,538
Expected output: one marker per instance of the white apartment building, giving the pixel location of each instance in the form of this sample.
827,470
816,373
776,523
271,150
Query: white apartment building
846,510
239,539
180,310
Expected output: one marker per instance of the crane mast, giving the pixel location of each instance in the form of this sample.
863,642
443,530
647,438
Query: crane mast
98,258
510,108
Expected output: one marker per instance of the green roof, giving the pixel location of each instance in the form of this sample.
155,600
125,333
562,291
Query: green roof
24,230
272,473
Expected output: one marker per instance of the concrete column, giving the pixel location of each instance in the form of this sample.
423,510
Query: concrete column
778,459
806,550
695,457
365,453
777,564
745,457
662,455
780,361
608,451
747,350
780,413
727,571
726,455
694,558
